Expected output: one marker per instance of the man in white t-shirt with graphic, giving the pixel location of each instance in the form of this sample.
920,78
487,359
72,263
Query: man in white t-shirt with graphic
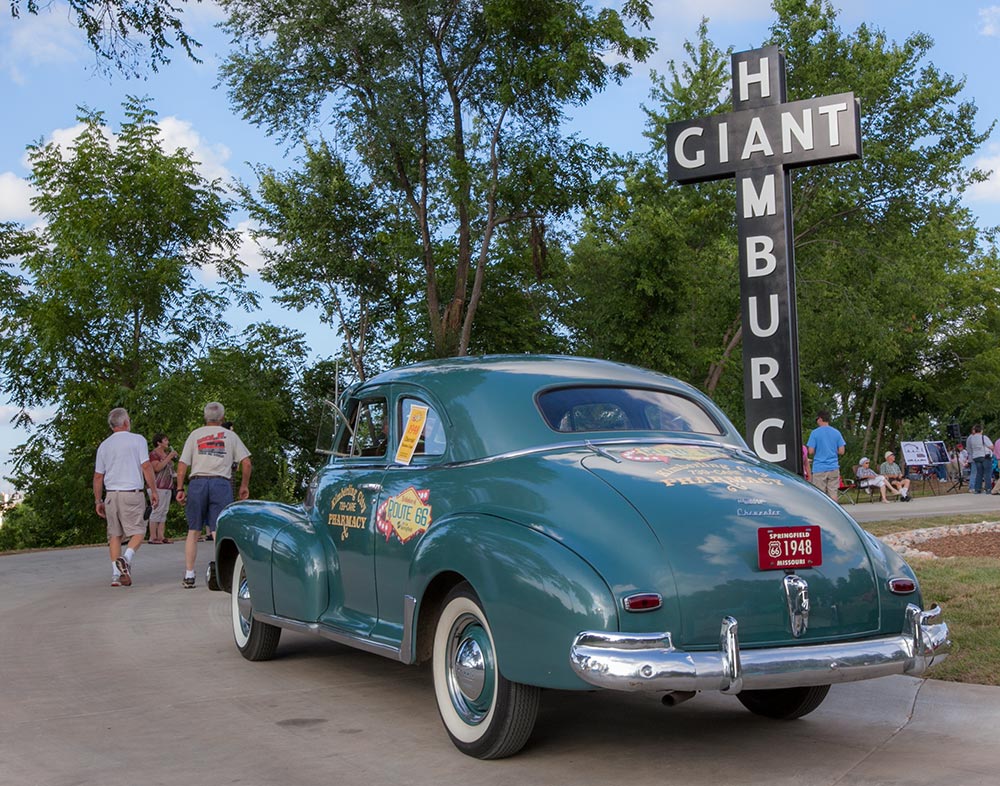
210,452
121,466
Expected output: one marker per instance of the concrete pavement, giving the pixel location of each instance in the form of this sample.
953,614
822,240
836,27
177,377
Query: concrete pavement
960,502
143,685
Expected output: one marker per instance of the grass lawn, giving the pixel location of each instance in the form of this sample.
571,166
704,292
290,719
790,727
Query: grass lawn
968,589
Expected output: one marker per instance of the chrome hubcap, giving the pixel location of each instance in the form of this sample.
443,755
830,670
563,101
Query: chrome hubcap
243,603
471,669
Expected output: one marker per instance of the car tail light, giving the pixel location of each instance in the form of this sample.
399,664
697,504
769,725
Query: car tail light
902,586
643,601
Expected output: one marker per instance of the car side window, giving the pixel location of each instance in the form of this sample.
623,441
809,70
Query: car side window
368,434
432,441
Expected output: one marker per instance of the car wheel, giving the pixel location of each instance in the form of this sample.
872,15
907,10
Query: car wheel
256,640
486,715
784,703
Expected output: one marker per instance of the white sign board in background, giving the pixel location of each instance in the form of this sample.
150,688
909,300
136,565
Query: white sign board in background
924,453
915,453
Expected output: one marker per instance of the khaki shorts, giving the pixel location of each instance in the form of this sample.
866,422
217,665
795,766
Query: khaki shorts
161,507
124,510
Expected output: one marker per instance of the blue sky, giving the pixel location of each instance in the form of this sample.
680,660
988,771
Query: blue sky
46,71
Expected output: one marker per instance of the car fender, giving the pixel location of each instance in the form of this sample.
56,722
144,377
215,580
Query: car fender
888,564
284,561
536,593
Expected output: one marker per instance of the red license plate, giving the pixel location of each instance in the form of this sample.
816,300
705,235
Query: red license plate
789,548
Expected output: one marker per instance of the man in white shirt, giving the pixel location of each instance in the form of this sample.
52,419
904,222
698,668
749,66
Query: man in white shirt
210,452
121,466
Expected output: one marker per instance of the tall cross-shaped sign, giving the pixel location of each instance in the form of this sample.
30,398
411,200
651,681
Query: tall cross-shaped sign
759,142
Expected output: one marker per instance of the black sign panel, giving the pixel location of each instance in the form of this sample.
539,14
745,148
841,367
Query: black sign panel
767,300
758,143
817,130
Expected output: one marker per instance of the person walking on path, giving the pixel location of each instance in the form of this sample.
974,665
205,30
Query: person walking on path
826,446
981,456
121,465
162,459
210,452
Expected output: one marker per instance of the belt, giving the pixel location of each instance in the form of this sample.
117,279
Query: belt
208,477
124,491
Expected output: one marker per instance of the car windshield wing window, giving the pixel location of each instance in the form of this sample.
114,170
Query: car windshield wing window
584,409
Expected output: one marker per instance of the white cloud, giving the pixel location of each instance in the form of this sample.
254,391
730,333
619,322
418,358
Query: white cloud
174,133
249,251
211,158
988,191
15,199
990,19
45,39
65,137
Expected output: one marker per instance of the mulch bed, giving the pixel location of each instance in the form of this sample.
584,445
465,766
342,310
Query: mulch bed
975,544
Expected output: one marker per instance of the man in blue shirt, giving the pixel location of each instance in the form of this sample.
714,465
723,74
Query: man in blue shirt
826,446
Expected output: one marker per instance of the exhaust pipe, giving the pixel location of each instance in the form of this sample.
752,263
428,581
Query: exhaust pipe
675,697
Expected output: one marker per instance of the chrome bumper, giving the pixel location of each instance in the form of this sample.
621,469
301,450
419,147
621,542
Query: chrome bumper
649,662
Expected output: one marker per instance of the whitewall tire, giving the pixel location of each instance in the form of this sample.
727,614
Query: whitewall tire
486,715
255,640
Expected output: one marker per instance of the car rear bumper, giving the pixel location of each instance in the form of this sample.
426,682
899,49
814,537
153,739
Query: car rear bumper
649,662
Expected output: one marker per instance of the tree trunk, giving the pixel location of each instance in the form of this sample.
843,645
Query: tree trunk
878,435
871,421
732,339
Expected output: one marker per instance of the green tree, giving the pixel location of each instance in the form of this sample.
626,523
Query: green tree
341,248
124,33
654,276
259,381
884,248
107,300
452,106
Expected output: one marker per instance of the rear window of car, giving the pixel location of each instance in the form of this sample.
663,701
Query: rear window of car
581,409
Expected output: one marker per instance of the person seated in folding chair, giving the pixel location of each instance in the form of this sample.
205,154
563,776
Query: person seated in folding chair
869,478
891,472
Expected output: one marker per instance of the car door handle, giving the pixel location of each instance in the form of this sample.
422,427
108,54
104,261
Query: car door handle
371,486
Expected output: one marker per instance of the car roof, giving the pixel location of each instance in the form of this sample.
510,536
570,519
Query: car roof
489,400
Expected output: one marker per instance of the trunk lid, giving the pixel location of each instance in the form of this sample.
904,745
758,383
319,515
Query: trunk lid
705,505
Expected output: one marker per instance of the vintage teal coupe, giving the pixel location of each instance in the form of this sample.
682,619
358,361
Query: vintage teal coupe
546,522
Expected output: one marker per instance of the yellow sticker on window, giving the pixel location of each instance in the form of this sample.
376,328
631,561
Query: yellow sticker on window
411,434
